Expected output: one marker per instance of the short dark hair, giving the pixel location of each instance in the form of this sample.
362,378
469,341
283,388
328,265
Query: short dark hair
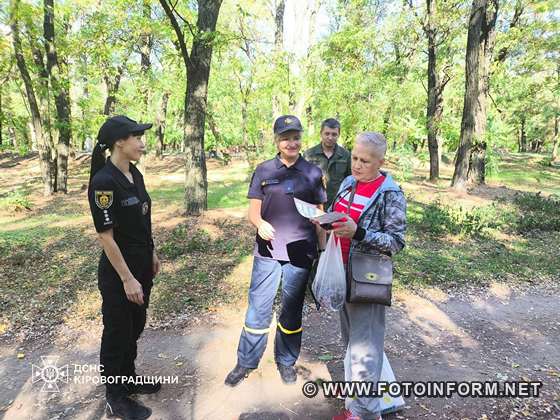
331,123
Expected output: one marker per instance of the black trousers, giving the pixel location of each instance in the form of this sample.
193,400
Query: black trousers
123,320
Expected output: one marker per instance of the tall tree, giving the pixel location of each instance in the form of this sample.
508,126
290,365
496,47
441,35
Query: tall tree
437,33
36,121
160,125
556,137
112,83
471,154
58,77
146,44
278,50
197,66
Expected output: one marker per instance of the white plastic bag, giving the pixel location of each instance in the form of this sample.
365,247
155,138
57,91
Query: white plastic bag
387,403
329,286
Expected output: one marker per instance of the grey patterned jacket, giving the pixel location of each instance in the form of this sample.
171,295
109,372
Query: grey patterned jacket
383,218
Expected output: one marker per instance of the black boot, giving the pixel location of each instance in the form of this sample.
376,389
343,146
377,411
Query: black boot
126,408
143,387
237,375
287,373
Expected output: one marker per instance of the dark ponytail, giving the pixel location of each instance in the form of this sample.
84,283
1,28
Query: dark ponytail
97,159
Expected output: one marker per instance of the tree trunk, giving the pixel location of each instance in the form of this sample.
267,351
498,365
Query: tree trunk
1,117
61,96
12,136
477,169
387,117
196,184
278,48
42,146
473,124
197,65
145,66
555,140
523,136
112,86
160,125
435,93
487,39
43,93
145,52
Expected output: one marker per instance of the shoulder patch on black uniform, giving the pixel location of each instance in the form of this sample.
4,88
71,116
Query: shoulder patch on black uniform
103,199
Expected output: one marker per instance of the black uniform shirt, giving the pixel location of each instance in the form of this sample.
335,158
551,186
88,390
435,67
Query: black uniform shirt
117,203
295,237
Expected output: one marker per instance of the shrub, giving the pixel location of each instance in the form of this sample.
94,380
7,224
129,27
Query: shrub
438,218
537,212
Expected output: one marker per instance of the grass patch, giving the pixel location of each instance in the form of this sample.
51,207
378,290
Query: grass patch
449,245
536,212
436,218
228,195
198,259
16,200
226,189
526,171
477,261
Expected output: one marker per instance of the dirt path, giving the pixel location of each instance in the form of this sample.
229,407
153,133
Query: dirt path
500,334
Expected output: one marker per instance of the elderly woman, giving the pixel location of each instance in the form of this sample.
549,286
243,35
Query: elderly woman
377,224
285,247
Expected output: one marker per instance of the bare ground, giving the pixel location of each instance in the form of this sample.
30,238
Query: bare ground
499,334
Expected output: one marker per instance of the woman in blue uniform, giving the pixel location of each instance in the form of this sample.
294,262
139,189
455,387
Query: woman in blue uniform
286,244
121,211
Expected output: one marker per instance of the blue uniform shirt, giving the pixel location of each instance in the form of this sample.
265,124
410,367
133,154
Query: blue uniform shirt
295,239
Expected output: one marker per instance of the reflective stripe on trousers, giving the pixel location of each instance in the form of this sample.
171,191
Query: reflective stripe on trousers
266,277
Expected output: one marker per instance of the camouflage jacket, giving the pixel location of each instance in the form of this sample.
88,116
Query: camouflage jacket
383,218
334,169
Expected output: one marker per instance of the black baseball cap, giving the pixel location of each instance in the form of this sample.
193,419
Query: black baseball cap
287,123
119,127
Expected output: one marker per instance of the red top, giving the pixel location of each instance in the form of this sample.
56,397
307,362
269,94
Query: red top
364,191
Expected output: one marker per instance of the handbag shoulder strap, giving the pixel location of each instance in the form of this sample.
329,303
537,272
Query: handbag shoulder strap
351,199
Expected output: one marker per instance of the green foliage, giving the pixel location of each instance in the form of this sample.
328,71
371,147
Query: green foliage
536,212
16,200
526,213
437,219
184,240
367,68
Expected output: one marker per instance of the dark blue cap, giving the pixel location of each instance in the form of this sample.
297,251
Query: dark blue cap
287,123
119,127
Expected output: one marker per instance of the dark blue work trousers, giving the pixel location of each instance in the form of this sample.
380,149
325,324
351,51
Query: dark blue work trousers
265,279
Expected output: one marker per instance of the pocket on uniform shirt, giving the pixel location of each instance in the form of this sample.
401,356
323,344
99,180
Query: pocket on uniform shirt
289,186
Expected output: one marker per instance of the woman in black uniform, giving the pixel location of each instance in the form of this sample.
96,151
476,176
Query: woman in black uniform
121,208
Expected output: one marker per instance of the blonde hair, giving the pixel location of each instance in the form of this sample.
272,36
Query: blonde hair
375,140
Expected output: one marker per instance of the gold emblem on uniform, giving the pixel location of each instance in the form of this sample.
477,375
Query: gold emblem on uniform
103,199
145,208
287,121
324,179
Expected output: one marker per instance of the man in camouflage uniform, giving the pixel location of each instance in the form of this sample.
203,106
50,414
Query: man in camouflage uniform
333,159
